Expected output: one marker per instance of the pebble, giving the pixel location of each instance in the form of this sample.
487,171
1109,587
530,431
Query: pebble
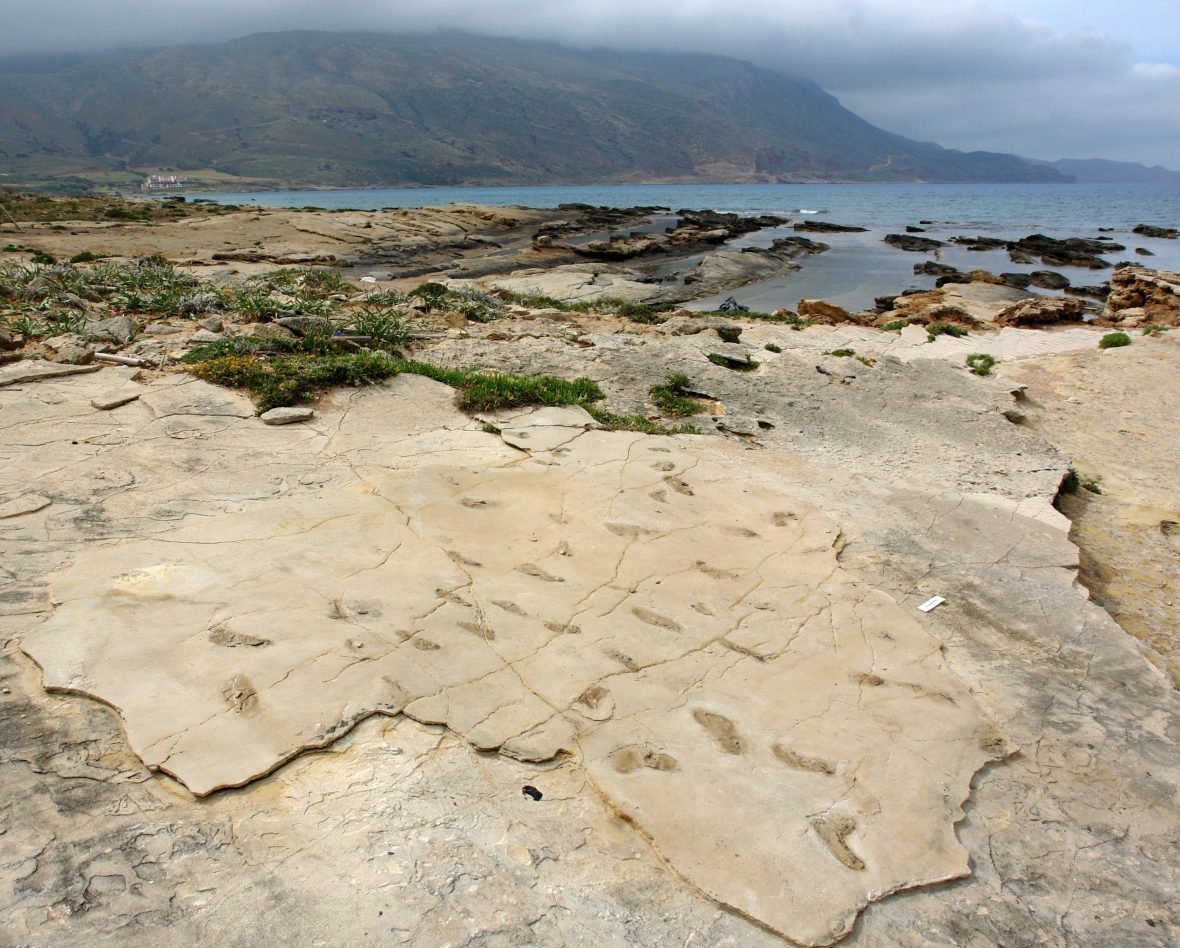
286,416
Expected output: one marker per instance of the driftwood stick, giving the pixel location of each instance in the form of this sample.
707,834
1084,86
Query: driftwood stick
11,218
122,360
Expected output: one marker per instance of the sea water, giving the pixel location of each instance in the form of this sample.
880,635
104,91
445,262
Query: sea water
859,266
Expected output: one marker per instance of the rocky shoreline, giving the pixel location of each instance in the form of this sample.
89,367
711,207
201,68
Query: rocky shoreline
509,601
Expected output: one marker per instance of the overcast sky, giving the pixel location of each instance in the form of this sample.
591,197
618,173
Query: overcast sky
1042,78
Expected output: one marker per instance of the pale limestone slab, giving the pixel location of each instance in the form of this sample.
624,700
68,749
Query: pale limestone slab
666,609
35,371
27,504
117,398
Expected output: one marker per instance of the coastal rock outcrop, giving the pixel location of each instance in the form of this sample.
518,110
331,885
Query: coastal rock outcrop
1153,294
1041,310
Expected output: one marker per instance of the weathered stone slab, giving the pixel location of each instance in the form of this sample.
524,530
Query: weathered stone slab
36,371
615,597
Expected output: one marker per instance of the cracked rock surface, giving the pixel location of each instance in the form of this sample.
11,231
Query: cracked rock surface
702,654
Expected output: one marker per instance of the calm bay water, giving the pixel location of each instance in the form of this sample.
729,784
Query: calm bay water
859,266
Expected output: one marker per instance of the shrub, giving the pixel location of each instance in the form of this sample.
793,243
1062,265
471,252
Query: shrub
1114,340
1072,481
894,325
944,329
432,294
771,347
980,363
842,353
642,313
1155,330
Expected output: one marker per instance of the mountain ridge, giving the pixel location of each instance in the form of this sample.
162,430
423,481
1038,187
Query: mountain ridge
347,109
1102,171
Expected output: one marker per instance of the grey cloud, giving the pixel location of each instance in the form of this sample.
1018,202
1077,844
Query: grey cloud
964,74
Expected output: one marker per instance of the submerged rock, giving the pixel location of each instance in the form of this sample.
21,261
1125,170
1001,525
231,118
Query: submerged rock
912,243
1149,230
827,227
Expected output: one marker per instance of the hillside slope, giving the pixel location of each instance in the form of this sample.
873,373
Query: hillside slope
311,108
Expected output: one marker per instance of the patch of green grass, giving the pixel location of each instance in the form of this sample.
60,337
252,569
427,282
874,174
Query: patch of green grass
473,305
736,365
794,320
277,381
432,294
1114,340
65,321
84,257
287,371
671,397
1155,330
866,361
384,326
148,275
894,325
539,301
944,329
771,347
980,363
841,353
256,305
125,213
280,372
43,258
29,326
385,299
647,313
307,280
613,422
491,391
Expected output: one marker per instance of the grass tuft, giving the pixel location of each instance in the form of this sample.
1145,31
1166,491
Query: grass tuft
671,397
944,329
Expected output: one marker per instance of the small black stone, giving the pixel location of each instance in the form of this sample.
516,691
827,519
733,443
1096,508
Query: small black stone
531,792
